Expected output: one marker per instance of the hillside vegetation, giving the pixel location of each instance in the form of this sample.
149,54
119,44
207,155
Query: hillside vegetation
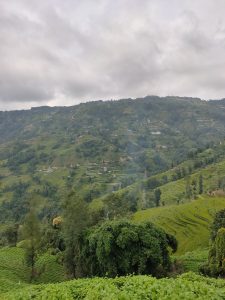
76,184
14,273
189,223
98,148
14,280
186,287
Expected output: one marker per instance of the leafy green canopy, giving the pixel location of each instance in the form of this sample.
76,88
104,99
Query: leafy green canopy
216,259
187,286
32,237
218,222
121,247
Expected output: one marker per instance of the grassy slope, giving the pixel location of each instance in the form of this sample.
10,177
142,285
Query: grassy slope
14,284
119,132
172,190
188,222
14,274
175,190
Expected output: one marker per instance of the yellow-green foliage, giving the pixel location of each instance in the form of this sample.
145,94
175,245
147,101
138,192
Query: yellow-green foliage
220,247
191,261
186,287
189,222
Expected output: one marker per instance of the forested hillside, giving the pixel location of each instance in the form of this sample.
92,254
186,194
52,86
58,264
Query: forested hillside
98,147
112,188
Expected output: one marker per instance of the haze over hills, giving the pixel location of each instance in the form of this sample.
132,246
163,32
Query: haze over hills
116,156
98,147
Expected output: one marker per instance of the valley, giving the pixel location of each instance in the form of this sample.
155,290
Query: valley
158,160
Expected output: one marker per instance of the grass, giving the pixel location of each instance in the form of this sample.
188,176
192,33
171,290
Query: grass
49,270
189,222
13,272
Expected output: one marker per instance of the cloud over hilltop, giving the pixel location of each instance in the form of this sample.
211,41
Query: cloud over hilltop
66,52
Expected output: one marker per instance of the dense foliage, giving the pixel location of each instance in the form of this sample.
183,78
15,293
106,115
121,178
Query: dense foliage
218,222
122,247
186,287
31,236
75,222
103,147
119,157
216,258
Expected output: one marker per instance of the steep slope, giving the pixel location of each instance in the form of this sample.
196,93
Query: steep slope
14,274
98,147
189,222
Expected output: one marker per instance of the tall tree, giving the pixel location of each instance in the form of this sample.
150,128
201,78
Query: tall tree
157,196
32,237
188,190
194,188
216,257
200,184
220,250
75,220
218,222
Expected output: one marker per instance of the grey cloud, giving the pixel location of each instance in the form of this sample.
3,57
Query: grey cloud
73,51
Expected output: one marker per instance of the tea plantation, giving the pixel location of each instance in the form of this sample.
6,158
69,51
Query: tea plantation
187,286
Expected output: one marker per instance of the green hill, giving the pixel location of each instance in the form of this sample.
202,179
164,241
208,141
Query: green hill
189,223
98,147
178,185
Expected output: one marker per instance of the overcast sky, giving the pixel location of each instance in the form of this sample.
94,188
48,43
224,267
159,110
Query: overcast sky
63,52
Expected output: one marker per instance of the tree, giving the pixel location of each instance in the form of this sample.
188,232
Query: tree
31,234
157,193
220,250
76,219
194,188
10,233
116,205
152,183
218,222
188,190
216,258
52,237
200,184
122,247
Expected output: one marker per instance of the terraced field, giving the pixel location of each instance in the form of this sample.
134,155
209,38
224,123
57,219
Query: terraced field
15,275
189,222
13,272
175,190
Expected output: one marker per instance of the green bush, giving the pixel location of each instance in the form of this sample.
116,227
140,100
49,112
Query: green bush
122,247
186,287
